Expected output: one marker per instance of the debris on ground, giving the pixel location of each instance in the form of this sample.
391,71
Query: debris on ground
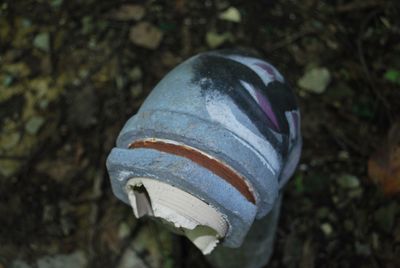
315,80
231,14
145,35
384,165
129,12
215,40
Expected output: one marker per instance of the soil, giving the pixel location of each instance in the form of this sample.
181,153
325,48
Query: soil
71,74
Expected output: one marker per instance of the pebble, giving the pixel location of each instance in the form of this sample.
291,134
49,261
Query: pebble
231,14
348,181
327,229
129,12
130,259
42,41
315,80
214,39
145,35
34,124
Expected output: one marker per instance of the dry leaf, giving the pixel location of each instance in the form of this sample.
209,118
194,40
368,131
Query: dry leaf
146,35
384,165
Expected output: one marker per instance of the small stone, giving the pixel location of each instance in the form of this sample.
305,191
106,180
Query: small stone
327,229
343,155
8,80
145,35
315,80
136,90
135,74
43,104
9,141
348,181
56,3
131,259
170,59
34,124
375,241
214,39
231,14
355,193
42,42
123,230
362,249
129,12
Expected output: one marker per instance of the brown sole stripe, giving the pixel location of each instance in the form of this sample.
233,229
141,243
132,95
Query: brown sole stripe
217,167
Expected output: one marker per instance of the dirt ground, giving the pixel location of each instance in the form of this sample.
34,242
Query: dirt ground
72,72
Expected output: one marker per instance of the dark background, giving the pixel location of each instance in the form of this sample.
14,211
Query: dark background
71,74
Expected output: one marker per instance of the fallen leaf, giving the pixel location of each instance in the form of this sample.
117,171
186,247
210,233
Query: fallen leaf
315,80
231,14
384,164
146,35
129,12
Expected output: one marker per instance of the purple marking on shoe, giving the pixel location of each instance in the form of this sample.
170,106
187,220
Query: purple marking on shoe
270,71
266,107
